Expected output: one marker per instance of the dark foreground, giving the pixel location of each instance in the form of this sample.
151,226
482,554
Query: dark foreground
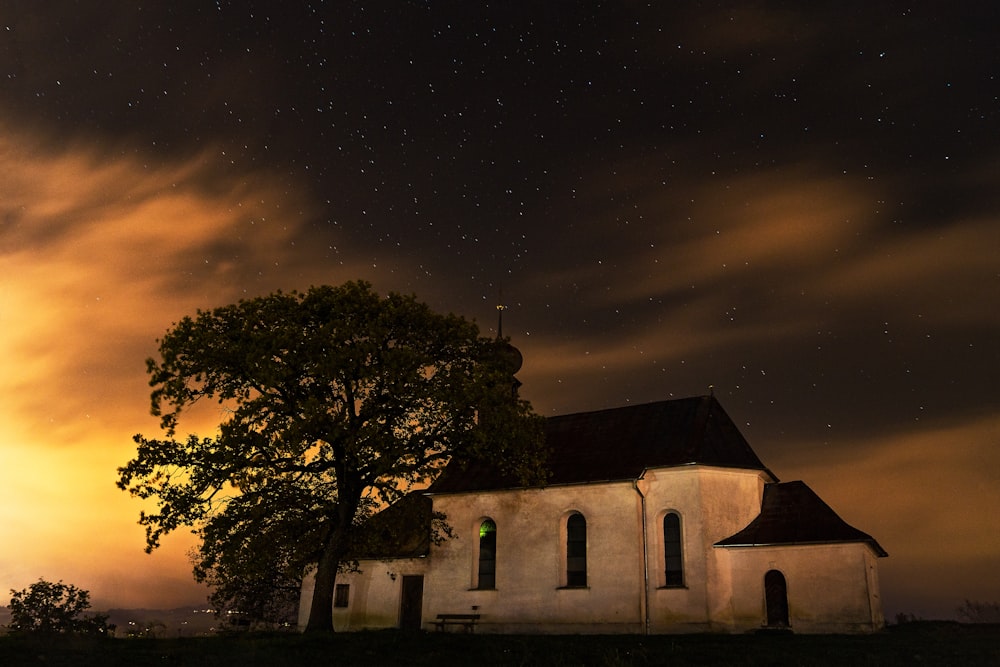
921,643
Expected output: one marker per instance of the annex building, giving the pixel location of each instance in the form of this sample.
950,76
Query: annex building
657,518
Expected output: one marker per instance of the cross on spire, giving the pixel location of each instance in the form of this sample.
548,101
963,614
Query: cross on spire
500,309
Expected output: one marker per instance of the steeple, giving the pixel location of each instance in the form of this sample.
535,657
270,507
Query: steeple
510,356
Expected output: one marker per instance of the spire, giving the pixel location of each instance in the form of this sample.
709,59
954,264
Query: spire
500,308
511,356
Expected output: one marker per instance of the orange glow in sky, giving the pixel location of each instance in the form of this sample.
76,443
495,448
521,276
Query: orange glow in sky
101,254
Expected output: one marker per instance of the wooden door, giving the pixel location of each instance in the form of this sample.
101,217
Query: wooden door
411,602
776,599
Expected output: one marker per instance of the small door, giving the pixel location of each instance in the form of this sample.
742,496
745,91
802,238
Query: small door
776,599
411,602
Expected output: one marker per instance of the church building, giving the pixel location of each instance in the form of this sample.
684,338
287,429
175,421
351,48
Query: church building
656,518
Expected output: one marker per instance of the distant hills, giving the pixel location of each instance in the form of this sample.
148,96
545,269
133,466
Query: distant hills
179,622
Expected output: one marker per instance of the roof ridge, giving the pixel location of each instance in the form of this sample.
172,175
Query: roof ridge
620,443
627,406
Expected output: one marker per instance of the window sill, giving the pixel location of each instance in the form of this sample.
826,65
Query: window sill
673,587
573,588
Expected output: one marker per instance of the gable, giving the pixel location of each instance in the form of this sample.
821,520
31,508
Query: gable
792,513
620,443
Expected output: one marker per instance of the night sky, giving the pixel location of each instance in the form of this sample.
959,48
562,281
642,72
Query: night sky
795,204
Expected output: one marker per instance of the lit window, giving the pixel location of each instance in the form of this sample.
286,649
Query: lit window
576,551
487,554
341,594
673,563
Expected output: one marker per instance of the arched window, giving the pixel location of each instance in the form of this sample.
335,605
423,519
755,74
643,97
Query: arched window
576,551
672,561
487,554
776,599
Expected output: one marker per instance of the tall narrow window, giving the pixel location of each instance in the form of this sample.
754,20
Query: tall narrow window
341,595
487,554
576,551
673,563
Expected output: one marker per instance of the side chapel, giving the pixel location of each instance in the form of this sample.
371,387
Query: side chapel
656,518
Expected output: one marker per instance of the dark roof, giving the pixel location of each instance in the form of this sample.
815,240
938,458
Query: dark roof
792,513
620,443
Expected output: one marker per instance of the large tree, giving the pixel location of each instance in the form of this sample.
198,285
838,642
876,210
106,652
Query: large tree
337,402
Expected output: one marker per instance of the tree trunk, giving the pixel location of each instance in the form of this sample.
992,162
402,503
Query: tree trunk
321,609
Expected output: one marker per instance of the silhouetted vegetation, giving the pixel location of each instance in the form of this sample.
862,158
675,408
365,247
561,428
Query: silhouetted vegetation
979,612
46,608
255,583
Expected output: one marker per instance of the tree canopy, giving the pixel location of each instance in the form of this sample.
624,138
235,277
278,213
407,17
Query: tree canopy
53,608
337,403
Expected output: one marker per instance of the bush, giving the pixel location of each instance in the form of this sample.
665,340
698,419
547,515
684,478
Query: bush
979,612
53,608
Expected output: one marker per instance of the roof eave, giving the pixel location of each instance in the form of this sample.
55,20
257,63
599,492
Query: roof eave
872,544
629,479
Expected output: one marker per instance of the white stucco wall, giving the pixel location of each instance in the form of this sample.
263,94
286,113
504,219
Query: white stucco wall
713,503
832,588
530,573
374,596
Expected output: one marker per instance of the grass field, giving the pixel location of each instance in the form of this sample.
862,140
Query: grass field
919,643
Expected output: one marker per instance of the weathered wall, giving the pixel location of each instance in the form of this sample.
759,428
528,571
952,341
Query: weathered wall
374,596
832,588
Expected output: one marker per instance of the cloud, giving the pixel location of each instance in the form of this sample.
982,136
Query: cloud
927,495
929,271
102,252
809,275
99,254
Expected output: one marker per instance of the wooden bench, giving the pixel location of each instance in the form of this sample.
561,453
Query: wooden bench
467,621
